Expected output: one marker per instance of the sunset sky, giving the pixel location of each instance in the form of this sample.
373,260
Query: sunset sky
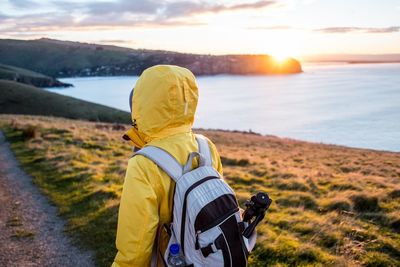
281,28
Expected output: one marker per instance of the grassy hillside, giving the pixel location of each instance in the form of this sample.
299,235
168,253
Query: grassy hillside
28,77
333,206
18,98
65,59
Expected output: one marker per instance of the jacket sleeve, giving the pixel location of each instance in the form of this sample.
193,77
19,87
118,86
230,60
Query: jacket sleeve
137,218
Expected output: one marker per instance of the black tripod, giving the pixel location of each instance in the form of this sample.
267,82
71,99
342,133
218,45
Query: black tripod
255,207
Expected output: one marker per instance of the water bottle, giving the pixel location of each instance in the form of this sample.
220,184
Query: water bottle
175,258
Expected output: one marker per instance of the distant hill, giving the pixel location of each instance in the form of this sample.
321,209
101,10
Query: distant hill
65,59
17,98
28,77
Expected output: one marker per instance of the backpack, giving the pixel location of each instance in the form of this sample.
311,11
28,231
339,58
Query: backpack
206,219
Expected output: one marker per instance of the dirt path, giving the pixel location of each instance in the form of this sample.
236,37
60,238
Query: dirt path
31,233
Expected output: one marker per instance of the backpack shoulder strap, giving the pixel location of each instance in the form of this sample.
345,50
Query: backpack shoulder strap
163,159
204,149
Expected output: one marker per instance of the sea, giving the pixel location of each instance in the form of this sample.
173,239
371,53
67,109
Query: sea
355,105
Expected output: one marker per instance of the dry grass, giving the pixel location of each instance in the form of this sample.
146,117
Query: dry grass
333,206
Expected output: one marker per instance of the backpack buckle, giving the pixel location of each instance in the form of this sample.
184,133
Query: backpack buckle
211,248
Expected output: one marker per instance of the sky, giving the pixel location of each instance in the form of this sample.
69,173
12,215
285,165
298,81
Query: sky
279,27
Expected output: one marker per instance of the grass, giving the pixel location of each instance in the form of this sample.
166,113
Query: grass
21,233
322,214
18,98
15,222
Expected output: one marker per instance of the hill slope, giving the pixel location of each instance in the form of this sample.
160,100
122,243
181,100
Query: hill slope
28,77
18,98
66,59
333,206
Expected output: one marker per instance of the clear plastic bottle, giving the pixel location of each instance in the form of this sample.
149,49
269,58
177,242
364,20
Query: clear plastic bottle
175,258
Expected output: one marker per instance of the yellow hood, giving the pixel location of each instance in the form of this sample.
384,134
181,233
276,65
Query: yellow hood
164,102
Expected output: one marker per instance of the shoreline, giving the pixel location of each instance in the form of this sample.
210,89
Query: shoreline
296,140
304,64
350,62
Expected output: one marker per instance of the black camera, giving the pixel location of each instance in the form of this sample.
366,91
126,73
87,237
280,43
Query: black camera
255,207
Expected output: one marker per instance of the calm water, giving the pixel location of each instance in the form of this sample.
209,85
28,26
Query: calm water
352,105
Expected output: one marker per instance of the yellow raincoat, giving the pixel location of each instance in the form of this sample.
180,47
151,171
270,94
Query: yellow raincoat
163,106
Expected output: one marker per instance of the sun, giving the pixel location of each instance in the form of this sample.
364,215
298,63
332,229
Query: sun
280,57
282,50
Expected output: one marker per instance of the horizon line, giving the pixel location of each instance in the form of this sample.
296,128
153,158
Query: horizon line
304,57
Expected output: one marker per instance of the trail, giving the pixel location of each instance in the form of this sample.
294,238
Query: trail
31,233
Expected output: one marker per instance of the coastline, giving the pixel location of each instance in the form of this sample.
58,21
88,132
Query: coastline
291,139
318,190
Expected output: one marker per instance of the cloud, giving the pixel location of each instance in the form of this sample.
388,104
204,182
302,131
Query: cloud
170,9
47,22
331,29
187,8
90,15
359,29
221,8
111,21
123,6
384,30
36,23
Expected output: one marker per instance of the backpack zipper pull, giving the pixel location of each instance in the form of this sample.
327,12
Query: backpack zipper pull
197,244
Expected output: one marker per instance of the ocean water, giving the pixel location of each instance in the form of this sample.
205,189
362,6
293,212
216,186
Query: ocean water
352,105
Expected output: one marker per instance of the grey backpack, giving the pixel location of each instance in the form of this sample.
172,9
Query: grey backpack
206,218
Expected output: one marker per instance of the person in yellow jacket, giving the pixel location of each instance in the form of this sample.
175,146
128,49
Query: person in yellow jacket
163,106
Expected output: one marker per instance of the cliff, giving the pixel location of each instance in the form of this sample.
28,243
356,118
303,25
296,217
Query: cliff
68,59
